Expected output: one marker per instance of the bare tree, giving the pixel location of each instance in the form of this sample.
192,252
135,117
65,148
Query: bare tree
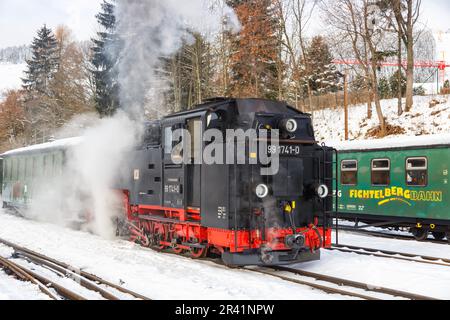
407,14
294,17
354,22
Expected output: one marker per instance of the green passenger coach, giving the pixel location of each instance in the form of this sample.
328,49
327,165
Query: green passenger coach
397,183
23,170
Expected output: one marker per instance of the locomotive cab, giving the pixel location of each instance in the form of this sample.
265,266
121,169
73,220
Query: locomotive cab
242,178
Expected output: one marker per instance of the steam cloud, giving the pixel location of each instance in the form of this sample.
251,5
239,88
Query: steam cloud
149,30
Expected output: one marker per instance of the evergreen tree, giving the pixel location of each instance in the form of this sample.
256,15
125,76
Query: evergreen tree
394,83
323,76
43,64
384,88
190,72
254,69
105,52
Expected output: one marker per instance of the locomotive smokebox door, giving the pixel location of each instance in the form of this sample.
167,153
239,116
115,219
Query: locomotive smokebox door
289,180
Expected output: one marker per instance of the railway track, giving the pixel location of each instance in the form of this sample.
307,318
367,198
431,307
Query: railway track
337,284
107,290
391,255
385,235
51,288
331,285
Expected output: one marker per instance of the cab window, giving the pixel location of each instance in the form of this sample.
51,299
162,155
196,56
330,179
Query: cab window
381,172
168,143
417,172
195,128
349,172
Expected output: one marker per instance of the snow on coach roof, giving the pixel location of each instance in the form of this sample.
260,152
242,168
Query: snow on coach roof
392,143
45,146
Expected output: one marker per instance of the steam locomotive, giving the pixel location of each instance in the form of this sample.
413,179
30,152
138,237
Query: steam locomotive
243,179
232,209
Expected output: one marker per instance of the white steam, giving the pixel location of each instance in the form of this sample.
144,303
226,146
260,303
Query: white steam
148,30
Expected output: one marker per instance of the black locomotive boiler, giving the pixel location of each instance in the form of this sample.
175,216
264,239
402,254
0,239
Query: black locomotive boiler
232,209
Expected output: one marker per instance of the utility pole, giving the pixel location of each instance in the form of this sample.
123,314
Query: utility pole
346,104
399,76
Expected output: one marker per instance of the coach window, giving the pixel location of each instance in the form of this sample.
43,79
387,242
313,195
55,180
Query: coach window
417,172
10,169
381,172
349,172
6,169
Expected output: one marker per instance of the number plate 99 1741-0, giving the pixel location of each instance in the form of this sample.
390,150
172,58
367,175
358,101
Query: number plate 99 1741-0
284,150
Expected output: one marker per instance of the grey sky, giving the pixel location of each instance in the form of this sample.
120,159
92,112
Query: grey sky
436,14
20,19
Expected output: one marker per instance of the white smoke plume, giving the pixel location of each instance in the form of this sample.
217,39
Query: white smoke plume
148,30
152,29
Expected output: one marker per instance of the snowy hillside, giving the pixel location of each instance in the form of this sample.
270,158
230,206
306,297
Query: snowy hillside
422,120
10,76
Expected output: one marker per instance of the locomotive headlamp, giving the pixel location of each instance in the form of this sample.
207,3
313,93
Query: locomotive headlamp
262,191
290,125
322,191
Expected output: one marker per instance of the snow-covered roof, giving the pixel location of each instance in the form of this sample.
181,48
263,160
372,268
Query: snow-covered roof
391,143
63,143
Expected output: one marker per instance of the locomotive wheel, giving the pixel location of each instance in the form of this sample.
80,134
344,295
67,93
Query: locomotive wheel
419,234
447,234
160,235
145,242
439,236
197,253
177,250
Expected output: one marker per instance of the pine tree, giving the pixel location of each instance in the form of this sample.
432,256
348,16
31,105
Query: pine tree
254,69
105,52
322,75
43,65
384,87
393,81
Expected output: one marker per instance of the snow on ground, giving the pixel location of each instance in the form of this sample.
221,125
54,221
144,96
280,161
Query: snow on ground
10,76
155,275
392,142
404,246
422,120
414,277
12,289
165,276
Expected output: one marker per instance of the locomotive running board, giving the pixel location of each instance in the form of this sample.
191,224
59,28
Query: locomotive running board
168,220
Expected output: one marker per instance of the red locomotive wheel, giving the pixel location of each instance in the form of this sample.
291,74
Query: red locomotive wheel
160,235
177,250
197,253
